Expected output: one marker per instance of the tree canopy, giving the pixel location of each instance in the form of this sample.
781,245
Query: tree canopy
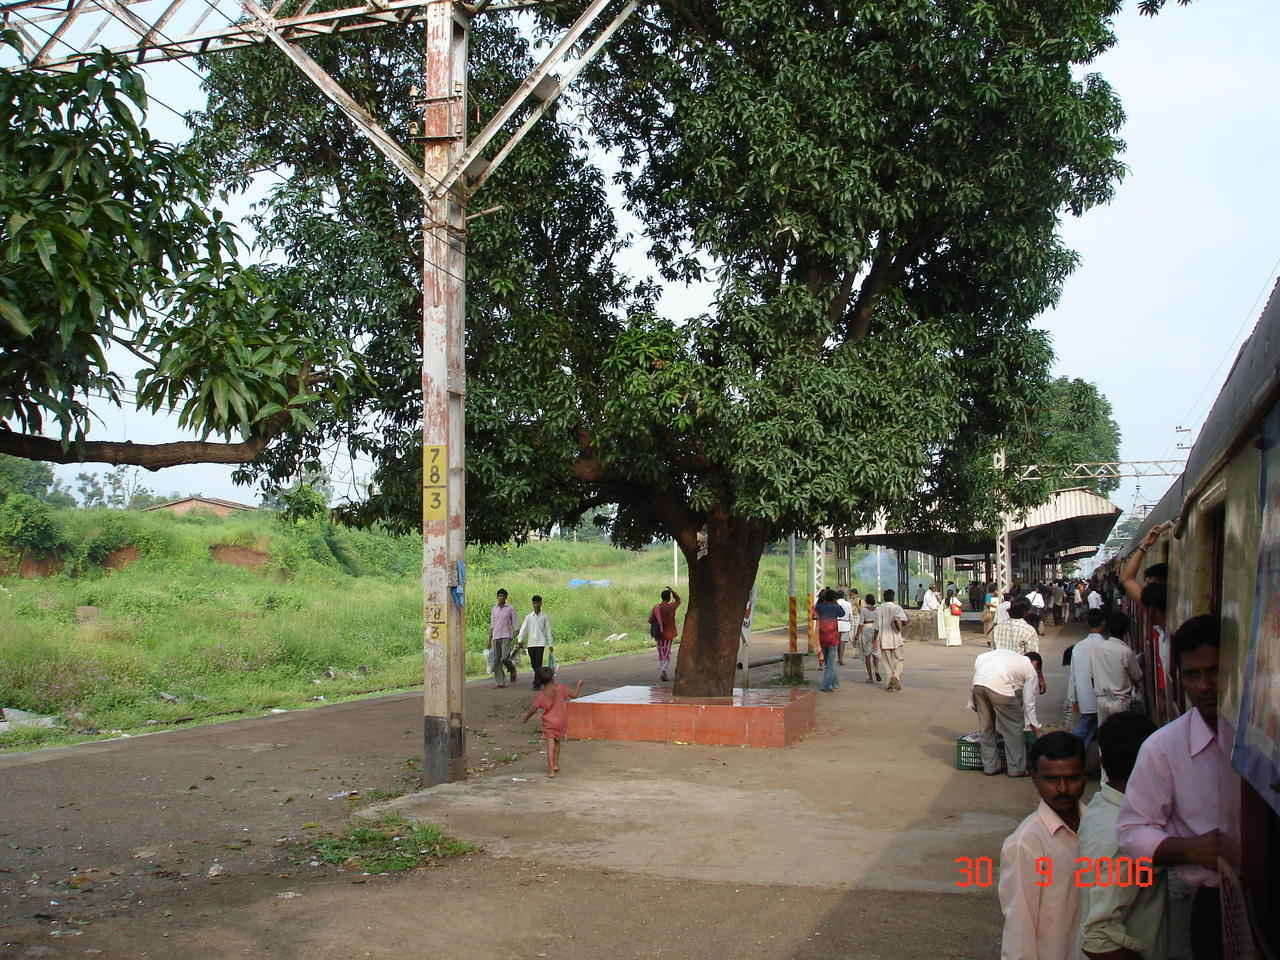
34,479
110,239
1150,8
876,187
1073,424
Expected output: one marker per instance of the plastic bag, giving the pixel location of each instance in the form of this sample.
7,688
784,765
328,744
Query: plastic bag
550,662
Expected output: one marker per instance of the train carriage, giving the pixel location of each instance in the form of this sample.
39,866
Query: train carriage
1223,553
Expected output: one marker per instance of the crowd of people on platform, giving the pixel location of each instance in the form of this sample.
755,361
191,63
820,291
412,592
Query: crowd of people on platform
1149,841
1156,818
874,629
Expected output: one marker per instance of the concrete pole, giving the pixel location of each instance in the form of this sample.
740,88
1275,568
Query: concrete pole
443,387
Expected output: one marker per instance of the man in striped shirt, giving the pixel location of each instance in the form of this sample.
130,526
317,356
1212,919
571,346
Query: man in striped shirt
1016,635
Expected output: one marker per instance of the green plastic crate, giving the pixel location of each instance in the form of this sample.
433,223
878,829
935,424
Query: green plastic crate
969,752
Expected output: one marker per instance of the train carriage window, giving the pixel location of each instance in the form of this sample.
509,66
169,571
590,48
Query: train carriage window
1217,558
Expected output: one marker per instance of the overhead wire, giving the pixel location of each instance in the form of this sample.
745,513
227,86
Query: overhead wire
1231,350
150,96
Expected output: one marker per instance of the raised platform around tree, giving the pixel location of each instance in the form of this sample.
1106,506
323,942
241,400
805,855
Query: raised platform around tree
774,717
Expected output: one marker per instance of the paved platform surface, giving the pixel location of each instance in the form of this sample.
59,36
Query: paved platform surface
842,845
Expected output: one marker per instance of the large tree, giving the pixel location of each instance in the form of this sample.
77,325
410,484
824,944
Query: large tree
877,188
879,185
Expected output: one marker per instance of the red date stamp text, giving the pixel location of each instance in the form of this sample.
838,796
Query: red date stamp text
1102,872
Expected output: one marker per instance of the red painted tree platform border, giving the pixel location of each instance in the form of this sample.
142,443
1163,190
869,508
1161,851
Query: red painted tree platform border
756,718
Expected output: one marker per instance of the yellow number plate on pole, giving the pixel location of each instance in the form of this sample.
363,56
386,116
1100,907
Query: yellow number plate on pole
435,510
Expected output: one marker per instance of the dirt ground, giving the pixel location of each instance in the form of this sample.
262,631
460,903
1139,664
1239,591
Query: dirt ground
190,843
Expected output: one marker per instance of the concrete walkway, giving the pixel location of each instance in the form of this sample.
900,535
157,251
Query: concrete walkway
843,845
871,800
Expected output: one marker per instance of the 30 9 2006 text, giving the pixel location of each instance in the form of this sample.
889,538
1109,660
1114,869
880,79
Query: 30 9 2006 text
1089,872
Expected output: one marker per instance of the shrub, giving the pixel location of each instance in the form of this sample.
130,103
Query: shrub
96,534
304,502
28,524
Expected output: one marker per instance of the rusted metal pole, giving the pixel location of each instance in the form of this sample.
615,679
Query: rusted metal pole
443,390
791,593
817,554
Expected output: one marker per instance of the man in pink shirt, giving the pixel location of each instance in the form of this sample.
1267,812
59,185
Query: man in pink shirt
502,631
1038,895
1171,812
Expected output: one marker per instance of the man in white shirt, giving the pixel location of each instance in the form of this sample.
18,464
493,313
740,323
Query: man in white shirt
1002,610
1036,598
844,624
1080,693
535,636
1094,599
1004,697
1114,670
932,603
890,619
1125,918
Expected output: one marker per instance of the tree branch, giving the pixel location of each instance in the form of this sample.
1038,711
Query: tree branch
128,345
589,469
887,269
835,309
678,520
150,456
875,283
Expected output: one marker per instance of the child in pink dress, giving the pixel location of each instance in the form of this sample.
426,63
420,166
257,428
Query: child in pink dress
553,700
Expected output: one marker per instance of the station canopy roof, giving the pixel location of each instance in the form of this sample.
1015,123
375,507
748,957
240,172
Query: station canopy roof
1070,523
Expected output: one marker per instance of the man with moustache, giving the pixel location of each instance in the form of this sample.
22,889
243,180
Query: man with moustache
1042,920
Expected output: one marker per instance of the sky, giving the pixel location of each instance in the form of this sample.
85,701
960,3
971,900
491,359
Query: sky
1173,273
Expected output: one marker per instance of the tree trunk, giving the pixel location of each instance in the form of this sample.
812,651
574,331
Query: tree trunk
719,587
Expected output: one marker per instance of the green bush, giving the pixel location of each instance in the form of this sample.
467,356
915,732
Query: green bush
28,524
304,502
96,534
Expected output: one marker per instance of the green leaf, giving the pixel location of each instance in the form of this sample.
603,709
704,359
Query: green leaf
15,318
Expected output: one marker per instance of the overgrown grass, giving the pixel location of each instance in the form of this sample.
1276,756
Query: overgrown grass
387,845
335,614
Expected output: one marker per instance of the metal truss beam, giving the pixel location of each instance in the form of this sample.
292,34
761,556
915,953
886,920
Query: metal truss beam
161,39
531,89
1103,471
330,87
